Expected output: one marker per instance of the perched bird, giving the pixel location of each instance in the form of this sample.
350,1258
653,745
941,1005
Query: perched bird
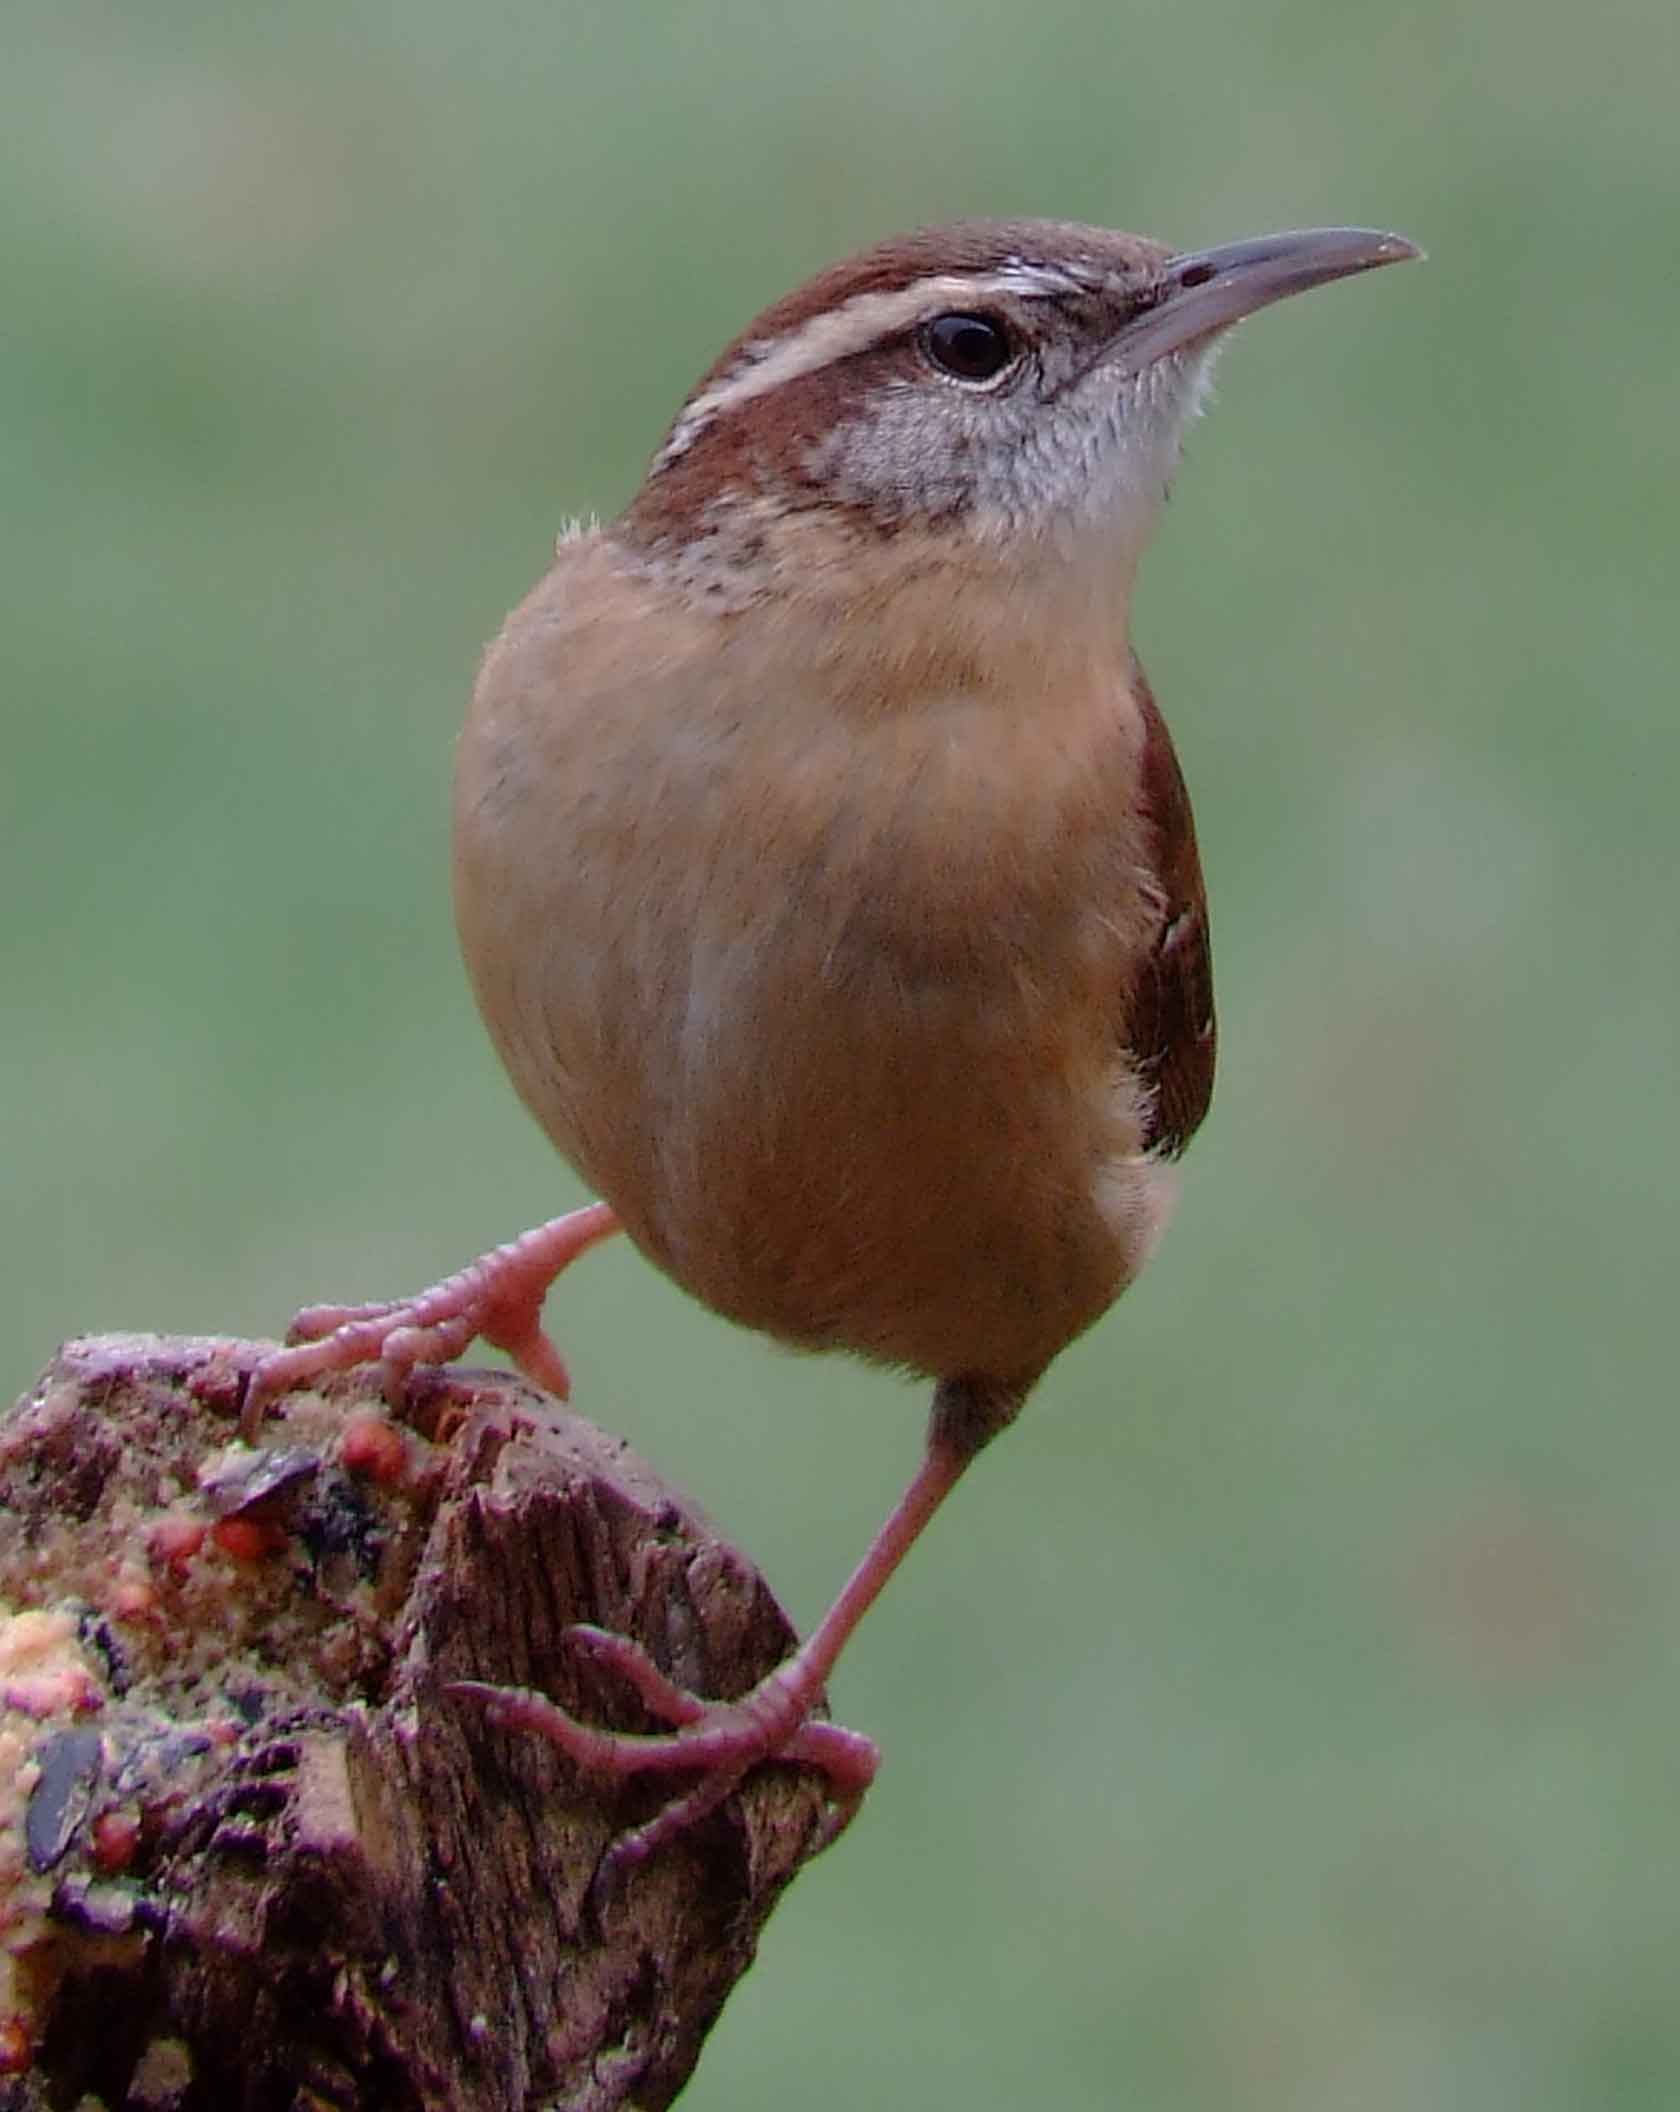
826,876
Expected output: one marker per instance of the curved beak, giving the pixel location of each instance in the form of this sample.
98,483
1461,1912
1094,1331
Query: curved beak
1204,291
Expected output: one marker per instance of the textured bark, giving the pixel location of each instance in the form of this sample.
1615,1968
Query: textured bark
252,1853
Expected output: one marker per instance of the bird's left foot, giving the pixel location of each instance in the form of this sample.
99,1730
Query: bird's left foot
722,1740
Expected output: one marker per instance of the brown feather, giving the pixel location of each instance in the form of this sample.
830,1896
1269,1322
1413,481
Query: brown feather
1173,1034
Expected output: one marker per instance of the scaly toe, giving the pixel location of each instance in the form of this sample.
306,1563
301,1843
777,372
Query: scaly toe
721,1736
724,1738
312,1322
638,1671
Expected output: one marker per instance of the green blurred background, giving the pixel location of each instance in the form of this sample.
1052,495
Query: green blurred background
1287,1714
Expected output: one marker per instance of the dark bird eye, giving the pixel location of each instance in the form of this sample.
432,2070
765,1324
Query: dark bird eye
969,347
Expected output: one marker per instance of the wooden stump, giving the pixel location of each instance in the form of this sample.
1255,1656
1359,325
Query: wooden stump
253,1853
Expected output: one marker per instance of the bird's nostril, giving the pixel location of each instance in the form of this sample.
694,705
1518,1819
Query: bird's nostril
1197,275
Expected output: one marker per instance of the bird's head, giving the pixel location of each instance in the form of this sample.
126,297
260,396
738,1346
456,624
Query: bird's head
988,389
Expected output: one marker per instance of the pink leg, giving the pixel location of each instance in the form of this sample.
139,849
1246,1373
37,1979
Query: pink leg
499,1297
725,1739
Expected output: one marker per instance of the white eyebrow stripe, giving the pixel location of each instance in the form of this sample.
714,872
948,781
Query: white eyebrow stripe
770,363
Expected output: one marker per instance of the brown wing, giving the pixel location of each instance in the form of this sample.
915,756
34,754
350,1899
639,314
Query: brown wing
1171,1013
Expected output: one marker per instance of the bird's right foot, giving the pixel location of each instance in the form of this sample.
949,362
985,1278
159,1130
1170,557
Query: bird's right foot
499,1297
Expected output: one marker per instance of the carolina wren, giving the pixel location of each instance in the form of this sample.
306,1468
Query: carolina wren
826,877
